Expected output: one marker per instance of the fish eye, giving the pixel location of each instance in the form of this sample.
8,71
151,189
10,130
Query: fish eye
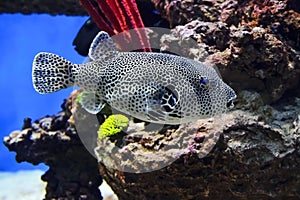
203,80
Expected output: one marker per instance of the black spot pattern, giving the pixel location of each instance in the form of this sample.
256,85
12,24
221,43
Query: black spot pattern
154,87
51,72
102,47
157,87
91,101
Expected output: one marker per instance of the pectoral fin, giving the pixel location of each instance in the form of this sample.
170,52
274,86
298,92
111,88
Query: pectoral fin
91,102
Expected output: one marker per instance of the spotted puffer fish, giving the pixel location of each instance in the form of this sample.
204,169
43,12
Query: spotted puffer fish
153,87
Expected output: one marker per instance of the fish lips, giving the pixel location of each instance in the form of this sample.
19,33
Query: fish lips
230,103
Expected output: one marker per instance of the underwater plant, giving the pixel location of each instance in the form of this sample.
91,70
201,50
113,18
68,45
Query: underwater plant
113,125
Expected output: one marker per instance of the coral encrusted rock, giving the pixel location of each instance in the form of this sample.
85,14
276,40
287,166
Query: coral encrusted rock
52,140
66,7
252,156
247,58
255,44
250,152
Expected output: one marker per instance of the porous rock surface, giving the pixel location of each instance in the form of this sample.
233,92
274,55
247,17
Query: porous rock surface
253,153
254,44
52,140
66,7
256,156
247,58
257,153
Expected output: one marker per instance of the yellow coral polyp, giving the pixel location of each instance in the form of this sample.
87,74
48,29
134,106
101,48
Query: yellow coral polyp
112,125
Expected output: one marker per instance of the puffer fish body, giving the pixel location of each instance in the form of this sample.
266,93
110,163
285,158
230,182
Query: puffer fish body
154,87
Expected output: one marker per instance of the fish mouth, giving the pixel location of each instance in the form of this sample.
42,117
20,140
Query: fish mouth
229,103
231,96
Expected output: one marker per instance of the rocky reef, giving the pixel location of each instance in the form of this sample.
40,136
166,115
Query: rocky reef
66,7
255,44
52,140
251,152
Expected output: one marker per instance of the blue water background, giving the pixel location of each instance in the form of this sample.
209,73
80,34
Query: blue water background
21,37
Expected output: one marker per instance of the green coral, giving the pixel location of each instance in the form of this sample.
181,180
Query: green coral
113,125
78,98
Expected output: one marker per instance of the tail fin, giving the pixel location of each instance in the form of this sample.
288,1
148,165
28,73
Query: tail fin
51,73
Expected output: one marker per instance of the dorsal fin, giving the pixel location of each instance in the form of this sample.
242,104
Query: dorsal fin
102,47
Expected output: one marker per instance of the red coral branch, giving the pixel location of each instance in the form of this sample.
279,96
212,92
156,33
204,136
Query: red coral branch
108,10
135,21
122,15
92,11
